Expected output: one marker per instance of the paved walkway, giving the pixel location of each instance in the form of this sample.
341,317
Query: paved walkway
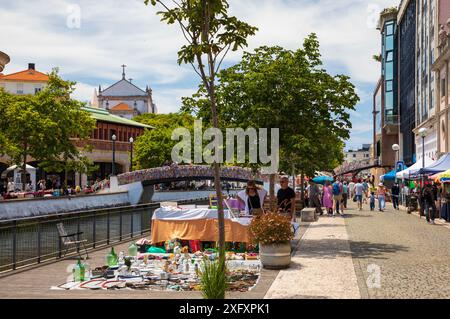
322,266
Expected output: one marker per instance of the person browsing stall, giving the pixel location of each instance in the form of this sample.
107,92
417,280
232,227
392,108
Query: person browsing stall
253,199
286,198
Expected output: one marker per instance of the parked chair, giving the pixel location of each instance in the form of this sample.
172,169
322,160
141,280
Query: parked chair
70,240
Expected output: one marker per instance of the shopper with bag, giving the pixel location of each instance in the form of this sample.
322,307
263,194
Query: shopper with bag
253,199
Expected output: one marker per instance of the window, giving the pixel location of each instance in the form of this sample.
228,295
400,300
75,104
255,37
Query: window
19,88
37,89
389,71
354,155
390,43
443,88
389,86
100,136
390,29
389,56
389,103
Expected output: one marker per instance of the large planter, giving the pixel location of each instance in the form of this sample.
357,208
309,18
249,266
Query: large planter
275,256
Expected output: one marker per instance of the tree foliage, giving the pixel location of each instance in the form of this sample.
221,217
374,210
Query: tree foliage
153,148
273,87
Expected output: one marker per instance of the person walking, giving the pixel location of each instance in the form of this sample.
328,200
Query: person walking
337,197
359,190
351,189
428,198
381,194
395,191
328,198
366,191
314,197
344,196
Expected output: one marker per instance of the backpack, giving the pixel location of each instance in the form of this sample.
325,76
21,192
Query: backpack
336,189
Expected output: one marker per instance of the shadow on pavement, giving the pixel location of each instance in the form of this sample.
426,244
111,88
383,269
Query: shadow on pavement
332,248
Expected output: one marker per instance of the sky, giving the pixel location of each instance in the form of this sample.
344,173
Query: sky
89,40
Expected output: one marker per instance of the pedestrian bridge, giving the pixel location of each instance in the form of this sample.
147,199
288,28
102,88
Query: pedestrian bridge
175,173
139,184
356,167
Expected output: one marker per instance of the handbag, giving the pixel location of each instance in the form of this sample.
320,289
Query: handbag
255,211
354,198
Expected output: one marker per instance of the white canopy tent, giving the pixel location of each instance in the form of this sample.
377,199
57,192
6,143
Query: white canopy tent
414,168
17,175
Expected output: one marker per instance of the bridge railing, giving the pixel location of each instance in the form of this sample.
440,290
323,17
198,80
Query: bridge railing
355,166
187,171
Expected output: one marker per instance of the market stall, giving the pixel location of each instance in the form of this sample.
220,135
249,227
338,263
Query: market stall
196,224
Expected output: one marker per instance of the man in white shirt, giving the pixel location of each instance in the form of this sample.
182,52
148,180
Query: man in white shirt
359,190
351,188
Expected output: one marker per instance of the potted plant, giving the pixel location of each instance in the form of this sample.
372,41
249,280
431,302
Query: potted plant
273,233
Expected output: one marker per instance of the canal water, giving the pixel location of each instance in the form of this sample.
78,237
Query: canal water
38,239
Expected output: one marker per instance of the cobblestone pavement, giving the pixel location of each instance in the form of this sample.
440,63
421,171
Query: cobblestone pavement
411,256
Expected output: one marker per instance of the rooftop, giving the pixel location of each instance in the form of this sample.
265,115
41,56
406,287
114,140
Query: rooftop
30,75
103,115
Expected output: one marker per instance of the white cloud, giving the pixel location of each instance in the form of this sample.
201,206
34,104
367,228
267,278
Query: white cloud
83,92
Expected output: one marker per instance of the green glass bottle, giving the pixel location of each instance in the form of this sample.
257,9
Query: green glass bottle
132,250
79,271
111,258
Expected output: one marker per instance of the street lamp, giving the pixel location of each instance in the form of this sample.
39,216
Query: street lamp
423,132
113,138
396,148
131,153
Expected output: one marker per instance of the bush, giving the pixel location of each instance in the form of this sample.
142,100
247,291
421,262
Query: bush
271,228
213,279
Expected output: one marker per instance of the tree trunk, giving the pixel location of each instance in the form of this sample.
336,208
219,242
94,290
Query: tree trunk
24,166
217,181
272,192
302,189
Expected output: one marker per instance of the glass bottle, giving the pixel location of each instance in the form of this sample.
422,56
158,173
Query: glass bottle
111,258
78,271
132,250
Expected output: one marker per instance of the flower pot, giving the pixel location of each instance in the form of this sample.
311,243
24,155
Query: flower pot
275,256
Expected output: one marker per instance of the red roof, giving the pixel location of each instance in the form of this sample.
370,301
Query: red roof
121,107
29,75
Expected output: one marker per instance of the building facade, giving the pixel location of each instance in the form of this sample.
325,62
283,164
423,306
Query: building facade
441,69
125,99
385,106
361,154
29,81
406,41
426,35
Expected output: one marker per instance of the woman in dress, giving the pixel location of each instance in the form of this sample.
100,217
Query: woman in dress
327,200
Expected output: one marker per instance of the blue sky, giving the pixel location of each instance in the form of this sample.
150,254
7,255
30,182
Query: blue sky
89,40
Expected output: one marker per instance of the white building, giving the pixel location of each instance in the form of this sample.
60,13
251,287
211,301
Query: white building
29,81
357,155
427,30
124,99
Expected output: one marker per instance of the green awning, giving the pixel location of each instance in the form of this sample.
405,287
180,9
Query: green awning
103,115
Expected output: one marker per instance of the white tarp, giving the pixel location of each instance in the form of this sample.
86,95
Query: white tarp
414,168
173,213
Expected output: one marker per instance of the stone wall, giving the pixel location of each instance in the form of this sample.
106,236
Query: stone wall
21,208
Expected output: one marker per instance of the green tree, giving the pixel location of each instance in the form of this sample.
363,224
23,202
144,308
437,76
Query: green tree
277,88
154,147
44,126
210,34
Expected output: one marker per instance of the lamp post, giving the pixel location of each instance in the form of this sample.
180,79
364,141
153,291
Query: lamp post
423,133
396,149
131,153
113,138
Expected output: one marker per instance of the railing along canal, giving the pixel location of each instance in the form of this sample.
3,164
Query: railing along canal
28,241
